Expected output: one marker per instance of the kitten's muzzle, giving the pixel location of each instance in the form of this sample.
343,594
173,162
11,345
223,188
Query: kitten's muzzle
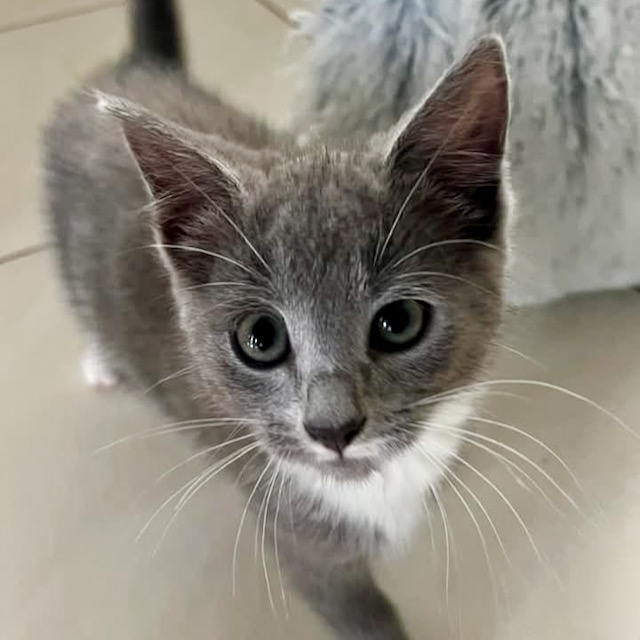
333,416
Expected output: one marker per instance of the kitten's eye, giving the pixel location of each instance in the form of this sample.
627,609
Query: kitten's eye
261,340
399,325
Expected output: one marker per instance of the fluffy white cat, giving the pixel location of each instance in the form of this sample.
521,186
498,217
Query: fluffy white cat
574,137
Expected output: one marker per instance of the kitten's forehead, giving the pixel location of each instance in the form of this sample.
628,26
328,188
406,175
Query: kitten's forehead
322,217
324,193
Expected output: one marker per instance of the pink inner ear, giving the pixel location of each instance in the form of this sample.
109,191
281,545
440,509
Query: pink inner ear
184,181
480,120
173,167
461,127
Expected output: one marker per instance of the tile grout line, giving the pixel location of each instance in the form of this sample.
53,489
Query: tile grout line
24,253
269,5
59,15
276,10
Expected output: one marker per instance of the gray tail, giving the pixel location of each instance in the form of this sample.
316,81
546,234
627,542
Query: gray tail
156,34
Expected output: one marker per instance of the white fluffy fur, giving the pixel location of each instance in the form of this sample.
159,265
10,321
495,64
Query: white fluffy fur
577,226
392,501
575,230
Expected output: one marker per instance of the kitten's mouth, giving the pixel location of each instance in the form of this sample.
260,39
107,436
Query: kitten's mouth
356,461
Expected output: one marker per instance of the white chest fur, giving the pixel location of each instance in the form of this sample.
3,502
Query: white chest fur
391,502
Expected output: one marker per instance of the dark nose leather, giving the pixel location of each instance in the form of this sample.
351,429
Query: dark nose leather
335,437
332,415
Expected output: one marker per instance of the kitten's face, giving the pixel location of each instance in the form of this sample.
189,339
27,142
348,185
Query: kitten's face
330,348
329,299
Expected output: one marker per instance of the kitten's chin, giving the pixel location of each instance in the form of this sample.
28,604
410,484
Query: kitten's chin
357,462
345,468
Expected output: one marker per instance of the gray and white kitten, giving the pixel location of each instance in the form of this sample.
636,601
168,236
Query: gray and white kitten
575,129
333,305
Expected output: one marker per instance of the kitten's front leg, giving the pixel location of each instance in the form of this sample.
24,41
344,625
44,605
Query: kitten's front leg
346,596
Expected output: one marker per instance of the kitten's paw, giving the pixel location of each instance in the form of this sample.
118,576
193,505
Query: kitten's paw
96,369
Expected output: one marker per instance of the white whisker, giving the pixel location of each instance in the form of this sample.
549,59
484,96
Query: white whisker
432,538
524,356
450,276
416,184
528,436
245,466
177,374
218,284
441,243
489,519
270,488
517,473
467,436
402,209
259,518
276,549
242,519
514,469
202,453
442,395
507,502
222,213
483,541
213,471
161,508
202,480
447,548
176,427
567,392
473,495
291,518
534,383
210,254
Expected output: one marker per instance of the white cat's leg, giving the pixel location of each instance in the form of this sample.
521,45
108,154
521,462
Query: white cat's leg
96,368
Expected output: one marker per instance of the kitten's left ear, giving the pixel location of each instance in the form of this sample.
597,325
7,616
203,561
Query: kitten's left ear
186,183
456,138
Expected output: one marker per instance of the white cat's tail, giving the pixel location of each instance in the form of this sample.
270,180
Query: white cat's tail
368,61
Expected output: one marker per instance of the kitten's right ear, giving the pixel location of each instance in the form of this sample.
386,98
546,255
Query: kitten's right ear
456,138
184,181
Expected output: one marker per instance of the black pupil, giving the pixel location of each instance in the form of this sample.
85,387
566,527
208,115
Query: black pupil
263,334
396,319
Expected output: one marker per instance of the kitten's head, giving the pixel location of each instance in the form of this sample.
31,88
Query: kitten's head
334,298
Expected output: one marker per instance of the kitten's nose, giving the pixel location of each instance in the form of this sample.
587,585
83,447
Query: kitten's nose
335,437
332,415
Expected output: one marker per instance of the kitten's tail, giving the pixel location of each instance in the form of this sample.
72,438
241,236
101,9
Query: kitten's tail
155,33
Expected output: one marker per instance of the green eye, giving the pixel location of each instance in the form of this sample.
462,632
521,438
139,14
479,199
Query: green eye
398,326
261,340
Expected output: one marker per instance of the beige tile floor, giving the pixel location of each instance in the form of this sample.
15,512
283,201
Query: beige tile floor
70,567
